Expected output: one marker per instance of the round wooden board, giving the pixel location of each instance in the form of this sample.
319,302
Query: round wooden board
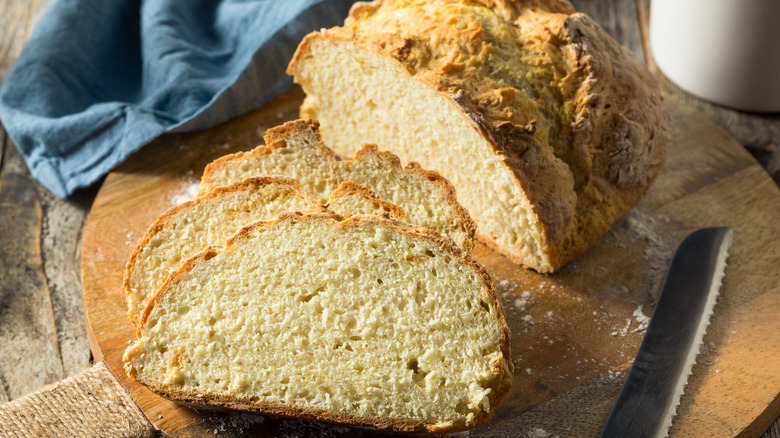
574,333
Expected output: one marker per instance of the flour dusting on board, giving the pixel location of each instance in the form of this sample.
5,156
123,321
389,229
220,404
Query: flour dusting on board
523,301
187,190
659,250
130,238
642,319
642,322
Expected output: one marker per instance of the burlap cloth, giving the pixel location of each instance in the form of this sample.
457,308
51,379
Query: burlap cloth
89,404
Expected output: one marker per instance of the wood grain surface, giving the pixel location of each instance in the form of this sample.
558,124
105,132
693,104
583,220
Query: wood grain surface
42,332
574,333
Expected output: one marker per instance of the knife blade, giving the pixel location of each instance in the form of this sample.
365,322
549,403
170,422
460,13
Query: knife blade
657,378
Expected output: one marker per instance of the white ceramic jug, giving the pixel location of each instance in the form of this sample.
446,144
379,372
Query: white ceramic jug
724,51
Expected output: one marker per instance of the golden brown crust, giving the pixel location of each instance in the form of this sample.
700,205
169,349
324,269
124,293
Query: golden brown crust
212,167
215,401
277,136
575,117
162,220
504,367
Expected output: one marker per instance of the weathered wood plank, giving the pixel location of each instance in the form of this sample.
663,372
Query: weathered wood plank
774,431
27,327
57,238
618,18
63,226
17,19
3,141
3,385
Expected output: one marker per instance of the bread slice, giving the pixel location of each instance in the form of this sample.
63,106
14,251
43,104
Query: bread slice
296,150
363,321
351,198
210,219
548,129
188,228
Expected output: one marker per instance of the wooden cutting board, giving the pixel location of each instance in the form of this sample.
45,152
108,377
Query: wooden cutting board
574,333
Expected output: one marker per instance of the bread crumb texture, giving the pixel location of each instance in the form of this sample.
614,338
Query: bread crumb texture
363,321
548,128
352,198
210,219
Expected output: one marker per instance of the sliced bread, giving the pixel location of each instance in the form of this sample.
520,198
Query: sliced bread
363,321
296,150
548,128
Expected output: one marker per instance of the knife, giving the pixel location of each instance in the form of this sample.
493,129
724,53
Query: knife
652,391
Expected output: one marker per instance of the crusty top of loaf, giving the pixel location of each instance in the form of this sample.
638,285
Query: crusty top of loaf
576,116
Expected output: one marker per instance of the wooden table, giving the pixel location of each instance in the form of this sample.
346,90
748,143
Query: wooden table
42,331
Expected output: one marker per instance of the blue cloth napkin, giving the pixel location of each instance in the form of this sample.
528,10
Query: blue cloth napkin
99,79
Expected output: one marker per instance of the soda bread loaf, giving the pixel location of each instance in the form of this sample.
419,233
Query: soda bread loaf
548,128
363,321
296,150
210,219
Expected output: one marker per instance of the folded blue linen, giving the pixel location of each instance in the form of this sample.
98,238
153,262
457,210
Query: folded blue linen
99,79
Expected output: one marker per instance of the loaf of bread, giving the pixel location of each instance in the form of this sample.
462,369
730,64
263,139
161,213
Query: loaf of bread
364,321
548,128
296,150
210,219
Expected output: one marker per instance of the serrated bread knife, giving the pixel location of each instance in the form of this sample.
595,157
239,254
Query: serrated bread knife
652,391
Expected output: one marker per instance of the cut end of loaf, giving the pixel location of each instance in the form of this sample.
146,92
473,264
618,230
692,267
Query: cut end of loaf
362,321
547,127
423,127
